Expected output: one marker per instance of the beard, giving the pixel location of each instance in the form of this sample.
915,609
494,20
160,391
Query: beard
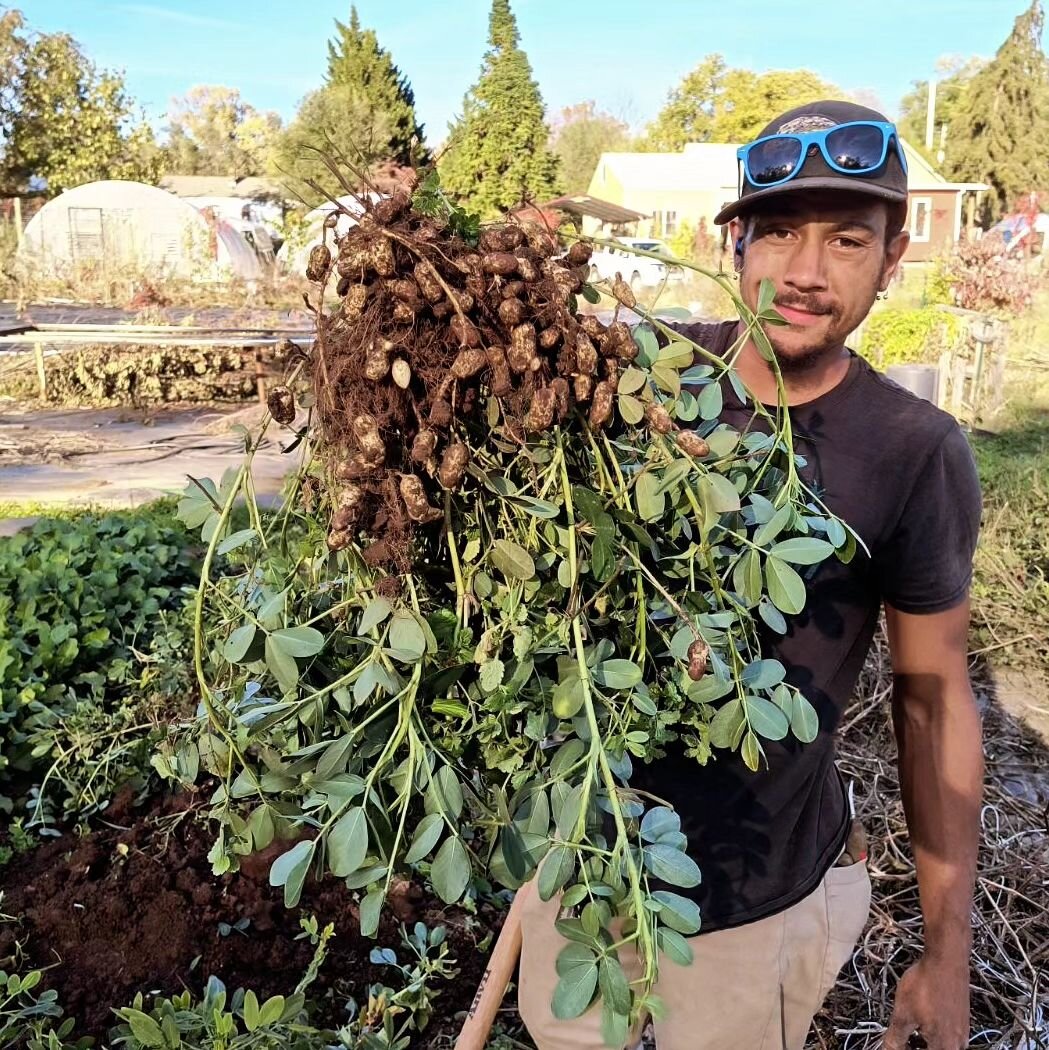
797,360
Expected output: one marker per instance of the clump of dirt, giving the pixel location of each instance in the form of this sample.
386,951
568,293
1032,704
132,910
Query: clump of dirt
132,909
430,333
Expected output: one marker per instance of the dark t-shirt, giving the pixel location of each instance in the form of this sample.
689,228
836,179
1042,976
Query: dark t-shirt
901,474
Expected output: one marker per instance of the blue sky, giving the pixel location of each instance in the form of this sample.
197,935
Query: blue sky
623,54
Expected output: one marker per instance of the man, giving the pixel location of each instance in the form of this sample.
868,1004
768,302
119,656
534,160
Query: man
785,890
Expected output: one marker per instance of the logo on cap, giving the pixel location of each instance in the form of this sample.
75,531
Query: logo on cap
807,122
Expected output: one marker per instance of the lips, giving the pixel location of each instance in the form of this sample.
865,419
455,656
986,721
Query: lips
799,317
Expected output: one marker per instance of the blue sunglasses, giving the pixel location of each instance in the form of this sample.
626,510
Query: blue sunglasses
857,148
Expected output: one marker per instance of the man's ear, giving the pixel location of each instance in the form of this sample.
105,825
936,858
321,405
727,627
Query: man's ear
893,254
737,232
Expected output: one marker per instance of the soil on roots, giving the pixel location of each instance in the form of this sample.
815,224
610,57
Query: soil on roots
136,909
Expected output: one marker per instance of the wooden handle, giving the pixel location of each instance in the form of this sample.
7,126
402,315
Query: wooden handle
496,977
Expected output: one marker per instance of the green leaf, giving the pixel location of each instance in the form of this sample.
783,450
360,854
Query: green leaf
427,835
371,907
804,550
613,984
631,381
772,616
649,496
348,842
539,508
836,532
648,347
557,868
615,1027
804,722
444,794
674,946
750,749
766,719
271,1010
711,401
237,539
671,865
238,643
676,354
490,675
763,674
281,664
631,409
143,1027
299,642
512,560
568,697
617,674
773,527
375,613
724,496
658,822
290,868
406,636
450,873
679,913
575,990
591,294
786,587
726,724
746,577
766,294
251,1010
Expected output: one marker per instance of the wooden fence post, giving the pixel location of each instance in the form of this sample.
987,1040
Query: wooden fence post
41,375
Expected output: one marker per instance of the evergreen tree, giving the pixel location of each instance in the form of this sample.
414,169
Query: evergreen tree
1001,133
356,61
497,153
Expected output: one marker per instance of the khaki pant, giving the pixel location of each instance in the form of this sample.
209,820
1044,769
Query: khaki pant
756,987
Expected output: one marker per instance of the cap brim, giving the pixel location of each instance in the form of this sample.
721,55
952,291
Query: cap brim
845,184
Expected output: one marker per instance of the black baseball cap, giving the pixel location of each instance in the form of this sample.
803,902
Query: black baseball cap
889,182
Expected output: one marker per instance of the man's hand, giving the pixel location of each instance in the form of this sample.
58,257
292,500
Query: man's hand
932,996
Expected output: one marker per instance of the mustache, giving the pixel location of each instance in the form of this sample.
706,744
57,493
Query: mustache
808,303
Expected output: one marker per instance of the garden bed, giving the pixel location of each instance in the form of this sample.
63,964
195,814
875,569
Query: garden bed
134,907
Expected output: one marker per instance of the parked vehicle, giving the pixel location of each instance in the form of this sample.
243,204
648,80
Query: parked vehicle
640,271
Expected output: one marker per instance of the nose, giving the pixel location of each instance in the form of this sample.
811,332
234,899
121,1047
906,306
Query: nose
807,266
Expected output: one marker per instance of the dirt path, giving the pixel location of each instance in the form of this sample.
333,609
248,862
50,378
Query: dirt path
124,457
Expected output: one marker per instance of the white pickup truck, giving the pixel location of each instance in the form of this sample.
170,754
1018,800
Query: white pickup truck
639,271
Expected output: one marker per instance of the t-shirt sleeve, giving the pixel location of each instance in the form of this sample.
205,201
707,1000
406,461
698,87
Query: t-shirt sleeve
926,564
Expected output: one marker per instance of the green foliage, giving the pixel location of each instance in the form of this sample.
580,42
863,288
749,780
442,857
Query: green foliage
903,337
579,136
365,111
1011,582
497,153
482,711
212,131
30,1019
89,627
716,104
63,120
1000,134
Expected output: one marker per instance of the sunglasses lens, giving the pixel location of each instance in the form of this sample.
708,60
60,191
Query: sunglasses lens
857,148
772,160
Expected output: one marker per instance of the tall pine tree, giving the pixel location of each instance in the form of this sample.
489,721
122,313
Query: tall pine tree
356,61
365,109
497,153
1001,133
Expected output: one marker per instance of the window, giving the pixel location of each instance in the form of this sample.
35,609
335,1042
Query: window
921,218
669,223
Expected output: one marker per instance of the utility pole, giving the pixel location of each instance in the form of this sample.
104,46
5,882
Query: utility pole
930,116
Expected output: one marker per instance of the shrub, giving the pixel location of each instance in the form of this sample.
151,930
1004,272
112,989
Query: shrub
896,337
90,632
981,276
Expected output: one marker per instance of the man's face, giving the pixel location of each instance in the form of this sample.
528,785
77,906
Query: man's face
827,256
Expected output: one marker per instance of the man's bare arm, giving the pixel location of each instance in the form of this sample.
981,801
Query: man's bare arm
941,778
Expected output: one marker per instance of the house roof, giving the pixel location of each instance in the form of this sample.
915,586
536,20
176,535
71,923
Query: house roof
712,166
252,186
605,211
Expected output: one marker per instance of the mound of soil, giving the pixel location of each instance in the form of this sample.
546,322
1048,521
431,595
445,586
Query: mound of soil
136,908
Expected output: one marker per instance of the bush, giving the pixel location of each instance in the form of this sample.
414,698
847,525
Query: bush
897,337
92,635
979,275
